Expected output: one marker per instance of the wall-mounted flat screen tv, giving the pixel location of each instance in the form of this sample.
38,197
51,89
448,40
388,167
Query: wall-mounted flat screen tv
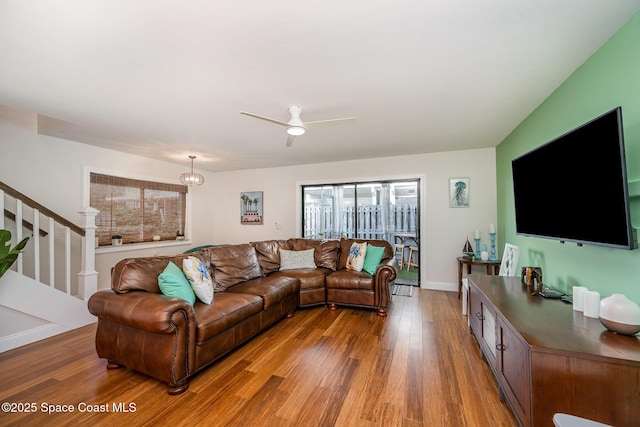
574,188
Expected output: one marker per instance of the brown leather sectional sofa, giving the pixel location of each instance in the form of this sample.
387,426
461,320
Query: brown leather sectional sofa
168,339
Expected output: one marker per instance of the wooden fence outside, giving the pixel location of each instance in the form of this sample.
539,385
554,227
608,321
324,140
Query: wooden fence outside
373,222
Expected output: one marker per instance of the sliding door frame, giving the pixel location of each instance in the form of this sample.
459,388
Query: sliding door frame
420,183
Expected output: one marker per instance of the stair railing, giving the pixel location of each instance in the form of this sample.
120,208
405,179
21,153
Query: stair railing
88,276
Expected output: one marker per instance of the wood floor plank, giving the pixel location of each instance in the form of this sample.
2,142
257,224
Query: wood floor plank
419,366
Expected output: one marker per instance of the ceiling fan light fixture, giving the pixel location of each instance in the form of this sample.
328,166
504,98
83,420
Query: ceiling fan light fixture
191,178
295,126
295,130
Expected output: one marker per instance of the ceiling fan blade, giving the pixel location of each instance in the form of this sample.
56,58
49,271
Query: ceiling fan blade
290,139
278,122
330,121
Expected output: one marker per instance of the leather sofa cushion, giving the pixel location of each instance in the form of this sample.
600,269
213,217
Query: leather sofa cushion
271,289
326,251
141,274
233,264
227,310
268,253
348,279
309,277
345,245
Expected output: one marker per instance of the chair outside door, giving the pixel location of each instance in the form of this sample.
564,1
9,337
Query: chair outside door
411,261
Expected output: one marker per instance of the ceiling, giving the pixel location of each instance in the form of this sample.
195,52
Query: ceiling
167,79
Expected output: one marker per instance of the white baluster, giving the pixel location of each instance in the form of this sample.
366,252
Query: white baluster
52,241
67,264
36,245
1,210
18,232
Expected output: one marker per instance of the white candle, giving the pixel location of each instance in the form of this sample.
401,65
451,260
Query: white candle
591,304
477,235
578,297
492,228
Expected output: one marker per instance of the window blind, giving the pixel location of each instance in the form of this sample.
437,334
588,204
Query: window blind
136,209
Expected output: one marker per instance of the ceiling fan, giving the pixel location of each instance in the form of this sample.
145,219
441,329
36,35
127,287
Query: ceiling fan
295,126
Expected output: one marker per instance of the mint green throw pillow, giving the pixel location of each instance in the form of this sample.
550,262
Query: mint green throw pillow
372,258
173,283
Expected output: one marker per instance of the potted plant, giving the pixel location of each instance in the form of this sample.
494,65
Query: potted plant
116,240
179,235
9,255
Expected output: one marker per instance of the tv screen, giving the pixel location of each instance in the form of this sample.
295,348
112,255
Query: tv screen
574,188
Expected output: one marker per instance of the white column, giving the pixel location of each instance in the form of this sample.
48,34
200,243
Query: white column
88,276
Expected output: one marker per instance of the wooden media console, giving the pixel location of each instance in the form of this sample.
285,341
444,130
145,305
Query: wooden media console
548,358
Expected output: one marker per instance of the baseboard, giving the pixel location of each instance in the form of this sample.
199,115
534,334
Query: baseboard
440,286
21,338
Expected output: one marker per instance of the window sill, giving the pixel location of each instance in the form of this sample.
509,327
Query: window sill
140,246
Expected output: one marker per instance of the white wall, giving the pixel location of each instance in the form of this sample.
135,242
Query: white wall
50,170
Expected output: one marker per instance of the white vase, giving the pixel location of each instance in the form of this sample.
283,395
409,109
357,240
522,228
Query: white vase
619,314
484,255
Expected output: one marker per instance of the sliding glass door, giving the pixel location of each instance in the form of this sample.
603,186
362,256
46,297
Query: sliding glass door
369,210
386,210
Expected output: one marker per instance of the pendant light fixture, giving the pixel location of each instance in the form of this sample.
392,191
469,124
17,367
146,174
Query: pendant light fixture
191,178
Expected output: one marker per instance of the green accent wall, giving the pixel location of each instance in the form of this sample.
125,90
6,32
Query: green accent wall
609,78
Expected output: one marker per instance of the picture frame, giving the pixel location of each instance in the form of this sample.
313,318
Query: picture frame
251,208
459,192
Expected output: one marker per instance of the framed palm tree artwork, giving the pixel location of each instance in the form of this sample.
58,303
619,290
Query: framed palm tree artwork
251,208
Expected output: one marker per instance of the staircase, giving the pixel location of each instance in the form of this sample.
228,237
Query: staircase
38,297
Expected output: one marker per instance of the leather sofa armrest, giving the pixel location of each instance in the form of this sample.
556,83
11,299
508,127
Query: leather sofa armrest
147,311
385,274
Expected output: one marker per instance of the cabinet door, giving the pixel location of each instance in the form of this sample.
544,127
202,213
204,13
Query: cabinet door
482,320
475,311
515,371
489,331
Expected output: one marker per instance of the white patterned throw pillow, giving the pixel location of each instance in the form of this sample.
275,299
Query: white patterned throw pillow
199,278
357,254
291,260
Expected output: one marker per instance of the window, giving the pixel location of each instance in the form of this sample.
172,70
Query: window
135,209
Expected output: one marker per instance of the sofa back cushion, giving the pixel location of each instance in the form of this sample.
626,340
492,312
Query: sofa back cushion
141,274
345,245
233,264
326,251
268,253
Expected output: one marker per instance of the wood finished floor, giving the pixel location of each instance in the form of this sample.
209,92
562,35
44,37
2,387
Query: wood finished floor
418,367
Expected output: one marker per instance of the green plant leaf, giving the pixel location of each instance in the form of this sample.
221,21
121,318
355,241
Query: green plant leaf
9,255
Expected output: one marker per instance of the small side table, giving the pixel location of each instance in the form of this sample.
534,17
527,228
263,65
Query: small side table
492,266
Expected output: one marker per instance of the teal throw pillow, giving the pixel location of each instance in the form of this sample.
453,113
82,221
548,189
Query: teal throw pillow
372,258
173,283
